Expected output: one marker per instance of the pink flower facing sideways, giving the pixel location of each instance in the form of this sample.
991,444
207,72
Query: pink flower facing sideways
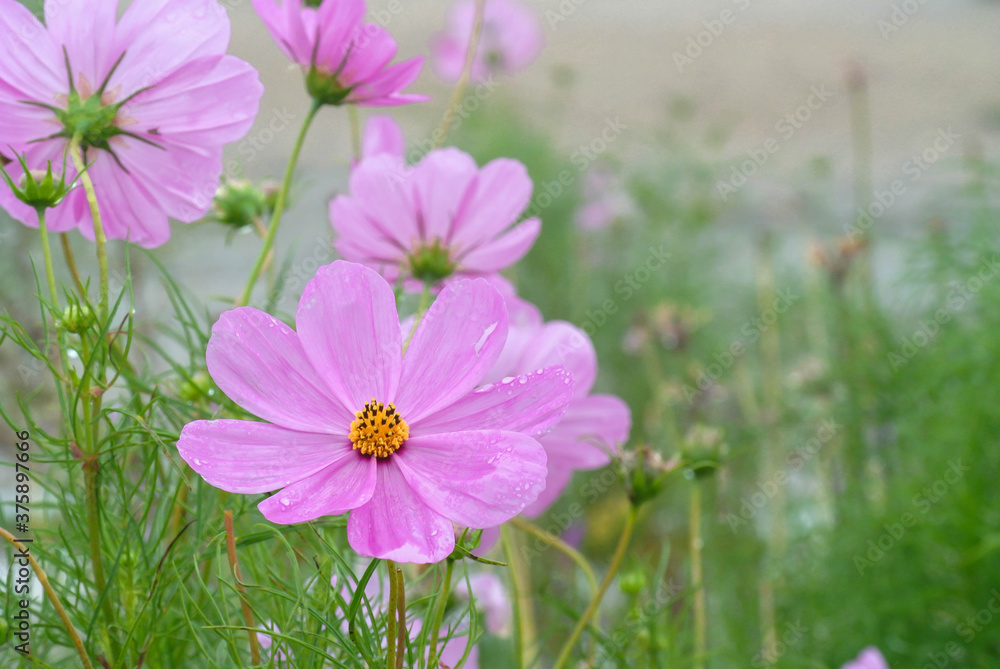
443,217
594,425
153,98
407,444
511,39
345,60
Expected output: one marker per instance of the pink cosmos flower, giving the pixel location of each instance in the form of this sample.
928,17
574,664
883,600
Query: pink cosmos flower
345,59
869,658
512,39
153,96
594,425
490,595
605,200
407,444
442,217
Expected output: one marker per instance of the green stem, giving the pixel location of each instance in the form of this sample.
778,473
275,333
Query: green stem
352,113
401,620
92,484
279,206
425,302
76,152
697,582
71,264
390,641
517,585
559,545
47,255
442,602
463,81
616,562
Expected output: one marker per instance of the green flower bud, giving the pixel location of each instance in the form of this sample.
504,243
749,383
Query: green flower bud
77,318
703,450
38,189
647,473
240,203
196,388
633,582
324,88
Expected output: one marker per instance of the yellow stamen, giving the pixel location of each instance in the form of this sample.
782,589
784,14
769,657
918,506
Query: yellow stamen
378,430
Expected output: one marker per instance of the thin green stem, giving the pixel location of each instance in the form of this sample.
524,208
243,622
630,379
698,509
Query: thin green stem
401,620
517,601
93,502
697,582
47,255
463,81
442,602
595,602
44,580
71,264
76,152
390,640
352,113
561,546
425,302
279,206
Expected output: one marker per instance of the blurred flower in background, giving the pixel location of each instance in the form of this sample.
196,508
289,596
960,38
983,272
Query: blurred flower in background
869,658
150,99
346,61
512,39
605,199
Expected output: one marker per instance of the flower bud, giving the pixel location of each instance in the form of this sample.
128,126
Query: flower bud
38,189
703,450
195,388
646,473
633,582
240,203
77,318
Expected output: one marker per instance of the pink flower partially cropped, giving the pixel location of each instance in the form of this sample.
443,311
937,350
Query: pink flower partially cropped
869,658
382,136
407,444
345,59
512,39
594,425
152,96
443,217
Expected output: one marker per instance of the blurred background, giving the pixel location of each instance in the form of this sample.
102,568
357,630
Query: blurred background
824,334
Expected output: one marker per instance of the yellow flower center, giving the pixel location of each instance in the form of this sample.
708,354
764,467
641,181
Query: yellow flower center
378,430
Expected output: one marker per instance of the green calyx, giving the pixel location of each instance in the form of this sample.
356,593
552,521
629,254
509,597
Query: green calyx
37,188
312,3
239,203
432,263
90,119
325,88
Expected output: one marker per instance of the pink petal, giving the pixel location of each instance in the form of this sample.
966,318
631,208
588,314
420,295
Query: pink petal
370,50
160,36
349,328
454,346
439,184
181,181
87,34
530,404
337,22
246,457
31,63
385,88
556,480
359,239
383,135
477,478
562,343
347,483
505,250
397,525
592,429
380,186
869,658
202,105
259,363
128,210
503,191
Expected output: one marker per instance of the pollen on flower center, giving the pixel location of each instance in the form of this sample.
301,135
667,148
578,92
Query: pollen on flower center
378,430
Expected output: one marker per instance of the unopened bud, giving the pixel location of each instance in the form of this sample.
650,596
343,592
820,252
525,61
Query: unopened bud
195,388
703,450
77,318
240,203
646,473
633,582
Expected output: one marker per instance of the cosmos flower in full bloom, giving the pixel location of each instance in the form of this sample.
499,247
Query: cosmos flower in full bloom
152,98
444,217
408,444
869,658
511,39
346,61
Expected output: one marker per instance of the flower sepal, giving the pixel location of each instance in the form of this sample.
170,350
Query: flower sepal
38,188
325,88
